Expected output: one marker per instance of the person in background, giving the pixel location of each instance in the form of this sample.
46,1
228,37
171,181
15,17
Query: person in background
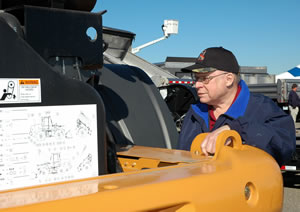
294,102
225,103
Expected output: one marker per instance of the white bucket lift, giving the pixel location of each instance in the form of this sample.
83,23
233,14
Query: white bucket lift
169,27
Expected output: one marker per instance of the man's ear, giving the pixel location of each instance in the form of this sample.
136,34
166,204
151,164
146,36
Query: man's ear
229,79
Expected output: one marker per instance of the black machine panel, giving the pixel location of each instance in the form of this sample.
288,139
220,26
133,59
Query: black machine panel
61,33
83,5
135,110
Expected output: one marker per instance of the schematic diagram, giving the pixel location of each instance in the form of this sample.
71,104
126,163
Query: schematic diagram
86,163
83,125
47,129
47,144
55,165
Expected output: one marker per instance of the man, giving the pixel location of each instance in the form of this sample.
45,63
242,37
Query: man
294,102
226,103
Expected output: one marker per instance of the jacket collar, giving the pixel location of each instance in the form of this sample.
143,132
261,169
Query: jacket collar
236,110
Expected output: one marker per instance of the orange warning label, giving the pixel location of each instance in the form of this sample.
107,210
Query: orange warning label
29,82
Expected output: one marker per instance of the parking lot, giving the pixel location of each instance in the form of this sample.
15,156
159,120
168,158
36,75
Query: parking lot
291,201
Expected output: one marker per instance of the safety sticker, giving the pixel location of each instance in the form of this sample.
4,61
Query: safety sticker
20,91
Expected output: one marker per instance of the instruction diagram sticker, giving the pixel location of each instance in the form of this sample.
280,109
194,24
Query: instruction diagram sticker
47,144
20,91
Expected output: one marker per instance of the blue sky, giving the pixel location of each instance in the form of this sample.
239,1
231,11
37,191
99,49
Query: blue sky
258,32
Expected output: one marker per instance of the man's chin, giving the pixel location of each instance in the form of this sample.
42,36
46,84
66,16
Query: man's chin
204,100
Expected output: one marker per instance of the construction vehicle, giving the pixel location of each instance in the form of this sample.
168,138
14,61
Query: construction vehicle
127,161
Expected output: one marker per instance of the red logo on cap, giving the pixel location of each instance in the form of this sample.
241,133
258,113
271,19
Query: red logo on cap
202,56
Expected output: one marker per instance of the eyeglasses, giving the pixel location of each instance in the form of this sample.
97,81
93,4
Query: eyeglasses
206,79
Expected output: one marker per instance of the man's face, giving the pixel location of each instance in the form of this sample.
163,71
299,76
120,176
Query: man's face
211,87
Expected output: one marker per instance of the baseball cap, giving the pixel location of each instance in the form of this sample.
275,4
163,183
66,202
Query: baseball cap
212,59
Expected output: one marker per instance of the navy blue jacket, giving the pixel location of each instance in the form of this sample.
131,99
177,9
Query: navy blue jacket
259,121
294,99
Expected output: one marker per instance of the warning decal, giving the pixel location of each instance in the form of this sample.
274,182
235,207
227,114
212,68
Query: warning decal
20,91
29,82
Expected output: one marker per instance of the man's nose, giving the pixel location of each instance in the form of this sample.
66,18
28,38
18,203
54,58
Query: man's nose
198,84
